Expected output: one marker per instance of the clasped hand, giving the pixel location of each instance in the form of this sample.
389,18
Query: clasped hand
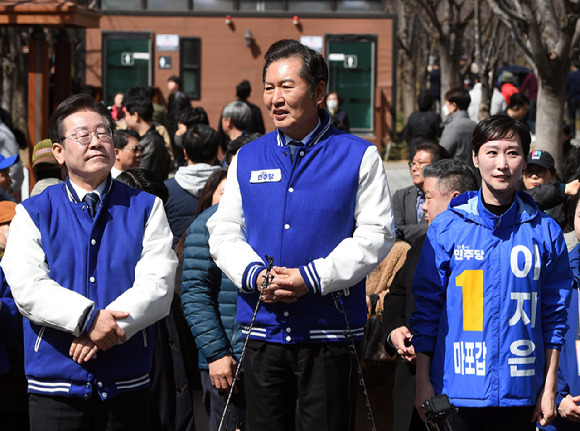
400,337
103,334
286,285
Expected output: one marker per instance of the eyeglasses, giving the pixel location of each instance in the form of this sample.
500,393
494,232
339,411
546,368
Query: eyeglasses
135,149
84,137
417,164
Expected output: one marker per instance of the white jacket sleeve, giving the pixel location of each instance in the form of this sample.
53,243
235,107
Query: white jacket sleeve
39,298
149,299
374,235
227,230
351,260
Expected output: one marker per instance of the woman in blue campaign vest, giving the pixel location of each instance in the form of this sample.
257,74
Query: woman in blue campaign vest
491,295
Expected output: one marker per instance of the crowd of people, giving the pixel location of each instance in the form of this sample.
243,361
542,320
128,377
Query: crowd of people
157,255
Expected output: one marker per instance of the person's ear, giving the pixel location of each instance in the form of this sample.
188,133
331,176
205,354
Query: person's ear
117,154
474,157
320,92
58,152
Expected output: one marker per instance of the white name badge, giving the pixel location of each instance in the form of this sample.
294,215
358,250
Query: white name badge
266,176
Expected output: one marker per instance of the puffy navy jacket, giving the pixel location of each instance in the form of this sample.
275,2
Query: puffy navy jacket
209,297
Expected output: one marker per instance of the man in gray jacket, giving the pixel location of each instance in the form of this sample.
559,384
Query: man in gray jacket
456,136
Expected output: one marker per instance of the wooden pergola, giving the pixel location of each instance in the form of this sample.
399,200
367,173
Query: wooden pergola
40,14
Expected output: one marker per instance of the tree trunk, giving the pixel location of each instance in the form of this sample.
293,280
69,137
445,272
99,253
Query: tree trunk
549,114
445,66
20,82
408,82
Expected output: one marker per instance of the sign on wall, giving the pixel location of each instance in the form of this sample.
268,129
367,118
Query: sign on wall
167,42
165,62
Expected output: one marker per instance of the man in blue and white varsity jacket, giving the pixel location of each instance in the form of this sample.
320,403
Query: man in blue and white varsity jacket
91,267
317,201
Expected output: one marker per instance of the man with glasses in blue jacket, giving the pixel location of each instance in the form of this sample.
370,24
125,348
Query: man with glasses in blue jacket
89,301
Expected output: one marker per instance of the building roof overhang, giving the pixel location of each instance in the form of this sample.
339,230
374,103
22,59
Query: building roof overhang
57,13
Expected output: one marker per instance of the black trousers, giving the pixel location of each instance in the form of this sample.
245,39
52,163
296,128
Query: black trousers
314,382
125,412
214,402
494,419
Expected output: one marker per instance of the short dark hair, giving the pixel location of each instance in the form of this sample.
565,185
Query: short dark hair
500,127
122,137
436,151
202,115
136,92
243,90
191,116
425,101
206,196
144,179
141,105
452,175
459,96
76,103
239,142
314,68
518,99
239,113
175,79
201,143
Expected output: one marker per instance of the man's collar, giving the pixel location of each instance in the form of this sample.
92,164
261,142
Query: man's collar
77,193
305,139
315,135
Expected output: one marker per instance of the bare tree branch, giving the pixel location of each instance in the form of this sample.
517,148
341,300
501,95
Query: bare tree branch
502,11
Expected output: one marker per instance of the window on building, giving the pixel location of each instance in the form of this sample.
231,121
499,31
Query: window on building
168,5
213,5
190,66
360,5
262,5
121,5
309,6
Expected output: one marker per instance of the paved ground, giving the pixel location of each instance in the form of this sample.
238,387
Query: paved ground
398,175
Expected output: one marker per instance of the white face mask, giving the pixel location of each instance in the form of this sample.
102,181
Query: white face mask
445,110
332,105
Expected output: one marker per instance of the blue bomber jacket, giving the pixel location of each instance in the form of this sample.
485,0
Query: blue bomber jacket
64,267
328,214
491,297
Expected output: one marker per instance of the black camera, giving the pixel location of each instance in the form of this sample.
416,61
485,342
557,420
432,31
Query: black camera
438,410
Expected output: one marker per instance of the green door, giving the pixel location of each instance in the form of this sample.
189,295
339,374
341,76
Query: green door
351,61
127,62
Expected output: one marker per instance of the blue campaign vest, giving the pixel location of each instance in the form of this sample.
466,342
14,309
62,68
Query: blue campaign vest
296,213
